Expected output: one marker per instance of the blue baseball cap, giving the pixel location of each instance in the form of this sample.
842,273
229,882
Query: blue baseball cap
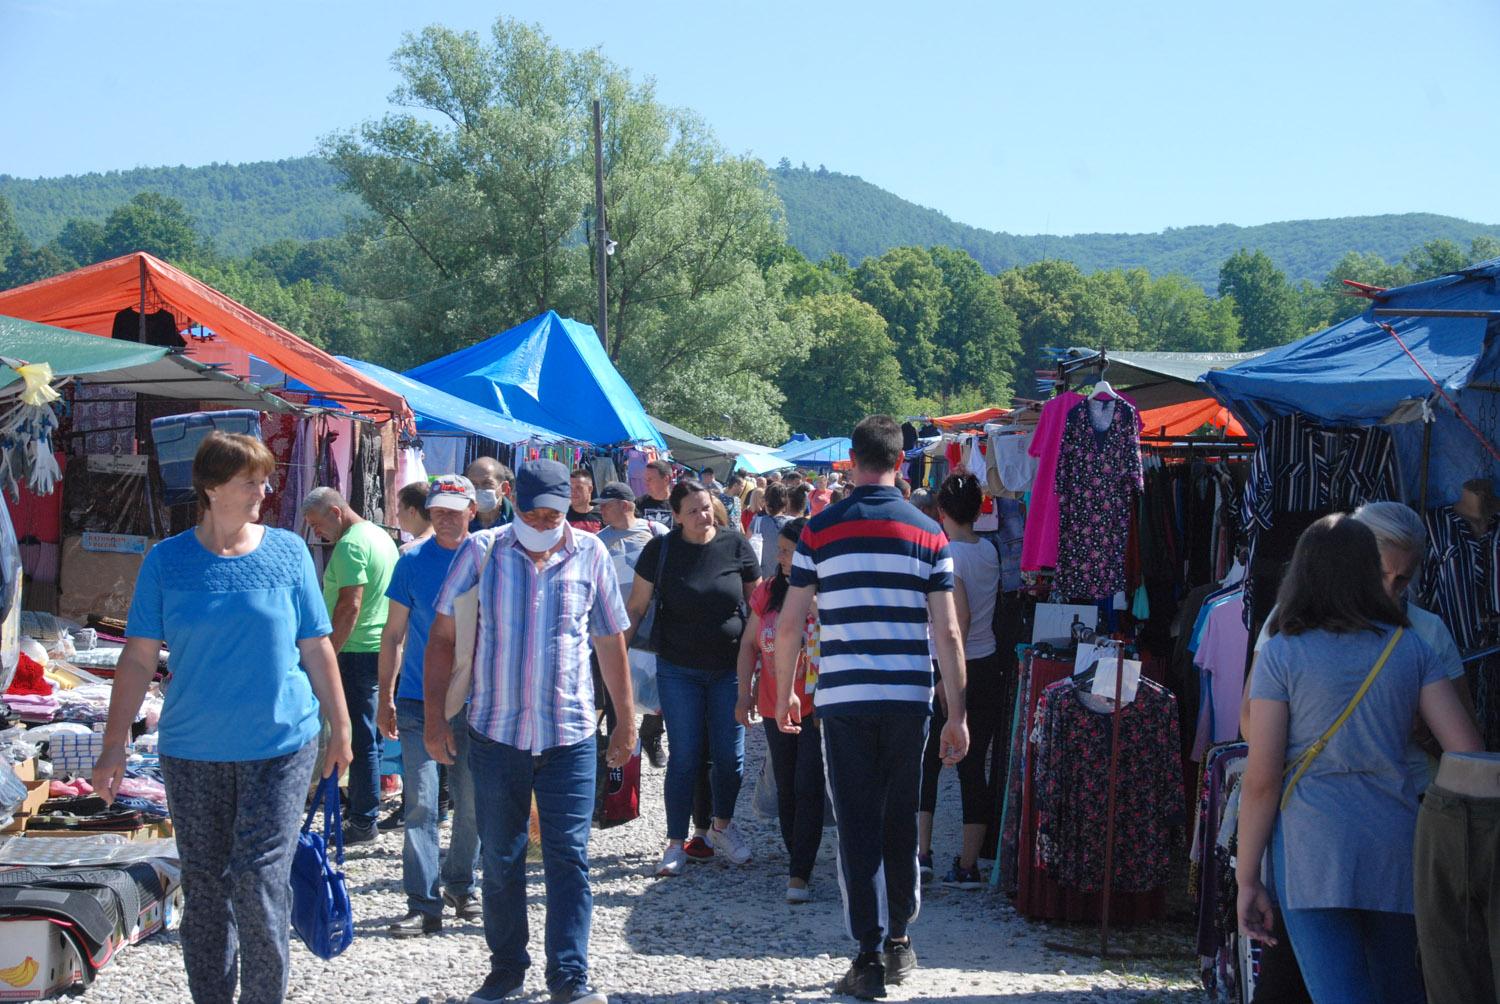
543,484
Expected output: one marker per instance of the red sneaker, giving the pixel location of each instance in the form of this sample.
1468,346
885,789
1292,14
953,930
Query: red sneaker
698,850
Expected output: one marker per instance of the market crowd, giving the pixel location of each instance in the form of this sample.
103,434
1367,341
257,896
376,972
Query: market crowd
535,631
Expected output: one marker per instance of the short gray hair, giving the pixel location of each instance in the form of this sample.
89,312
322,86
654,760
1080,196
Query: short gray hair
323,499
1395,525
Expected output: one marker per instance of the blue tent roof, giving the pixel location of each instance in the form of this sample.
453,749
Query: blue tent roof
1355,373
815,451
436,411
551,372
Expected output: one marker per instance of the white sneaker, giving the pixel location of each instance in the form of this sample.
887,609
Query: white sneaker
730,843
673,861
796,895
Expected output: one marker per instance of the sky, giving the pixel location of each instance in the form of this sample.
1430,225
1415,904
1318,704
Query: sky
1028,118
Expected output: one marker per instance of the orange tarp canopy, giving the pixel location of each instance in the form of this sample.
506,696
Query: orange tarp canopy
1188,417
88,299
970,419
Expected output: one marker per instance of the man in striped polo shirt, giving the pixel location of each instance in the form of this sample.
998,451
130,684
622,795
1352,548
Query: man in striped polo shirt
547,595
882,577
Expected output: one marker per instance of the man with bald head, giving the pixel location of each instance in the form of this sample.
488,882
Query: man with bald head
354,584
493,485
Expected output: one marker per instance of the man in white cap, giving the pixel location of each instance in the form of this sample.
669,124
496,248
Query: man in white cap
546,591
415,582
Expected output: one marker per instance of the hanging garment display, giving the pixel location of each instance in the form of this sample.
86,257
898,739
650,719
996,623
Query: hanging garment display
1040,548
1098,476
1459,575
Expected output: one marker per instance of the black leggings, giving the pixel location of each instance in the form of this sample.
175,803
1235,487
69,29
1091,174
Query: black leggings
797,764
989,693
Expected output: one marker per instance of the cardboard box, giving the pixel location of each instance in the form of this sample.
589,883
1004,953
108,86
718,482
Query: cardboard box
151,831
97,582
36,794
35,960
26,769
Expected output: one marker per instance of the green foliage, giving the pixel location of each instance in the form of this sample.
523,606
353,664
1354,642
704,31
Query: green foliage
1265,303
977,336
906,286
478,204
238,206
827,395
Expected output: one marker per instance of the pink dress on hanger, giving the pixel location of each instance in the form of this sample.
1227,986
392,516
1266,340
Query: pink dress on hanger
1039,548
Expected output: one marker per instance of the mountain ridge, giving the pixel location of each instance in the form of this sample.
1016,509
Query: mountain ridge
243,206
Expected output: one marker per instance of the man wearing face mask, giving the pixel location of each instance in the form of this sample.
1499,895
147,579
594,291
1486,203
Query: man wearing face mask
545,591
493,485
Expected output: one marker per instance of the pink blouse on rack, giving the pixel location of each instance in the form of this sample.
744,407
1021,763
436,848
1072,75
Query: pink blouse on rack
1039,548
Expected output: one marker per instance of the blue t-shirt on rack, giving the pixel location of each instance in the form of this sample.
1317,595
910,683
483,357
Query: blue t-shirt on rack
414,584
238,690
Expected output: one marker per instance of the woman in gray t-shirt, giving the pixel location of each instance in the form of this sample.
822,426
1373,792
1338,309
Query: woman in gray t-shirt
1341,846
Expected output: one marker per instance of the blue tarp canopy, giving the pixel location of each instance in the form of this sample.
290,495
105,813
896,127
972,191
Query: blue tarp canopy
550,372
1355,373
439,412
815,452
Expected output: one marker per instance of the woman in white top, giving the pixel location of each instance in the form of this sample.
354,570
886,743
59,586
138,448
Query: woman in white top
976,566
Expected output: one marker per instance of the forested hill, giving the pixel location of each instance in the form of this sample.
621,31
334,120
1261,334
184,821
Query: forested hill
827,211
242,207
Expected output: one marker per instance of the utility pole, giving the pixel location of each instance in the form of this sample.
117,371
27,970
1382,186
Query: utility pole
601,232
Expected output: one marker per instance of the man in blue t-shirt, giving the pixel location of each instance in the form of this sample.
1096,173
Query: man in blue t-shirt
415,582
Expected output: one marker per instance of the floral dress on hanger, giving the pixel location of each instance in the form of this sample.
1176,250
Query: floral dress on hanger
1098,476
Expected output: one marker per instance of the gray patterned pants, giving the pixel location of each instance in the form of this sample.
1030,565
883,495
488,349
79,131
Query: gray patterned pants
237,826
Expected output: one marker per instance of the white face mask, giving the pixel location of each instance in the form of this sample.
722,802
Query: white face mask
538,541
487,499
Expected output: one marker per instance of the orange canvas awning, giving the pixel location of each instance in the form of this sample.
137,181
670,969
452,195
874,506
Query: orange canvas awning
88,299
970,419
1188,417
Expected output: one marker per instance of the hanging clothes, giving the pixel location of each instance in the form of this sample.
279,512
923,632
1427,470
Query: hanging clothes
1072,770
1220,653
1098,476
1040,547
1459,574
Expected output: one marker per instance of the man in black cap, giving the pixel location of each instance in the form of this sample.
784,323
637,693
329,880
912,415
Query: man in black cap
547,597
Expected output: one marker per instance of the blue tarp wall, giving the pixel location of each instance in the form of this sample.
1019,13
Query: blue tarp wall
1355,373
551,372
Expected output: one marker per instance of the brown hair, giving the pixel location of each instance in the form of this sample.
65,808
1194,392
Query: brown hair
222,455
721,512
775,499
876,444
1335,582
413,496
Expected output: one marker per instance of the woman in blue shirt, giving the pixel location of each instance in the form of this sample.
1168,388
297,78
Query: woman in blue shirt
1341,826
240,609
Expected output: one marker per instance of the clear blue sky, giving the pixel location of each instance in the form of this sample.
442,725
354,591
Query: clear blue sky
1026,117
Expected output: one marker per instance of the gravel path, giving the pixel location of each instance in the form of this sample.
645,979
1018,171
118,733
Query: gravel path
718,933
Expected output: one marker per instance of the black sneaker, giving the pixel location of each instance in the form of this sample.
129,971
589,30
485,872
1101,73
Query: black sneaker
415,925
959,877
466,907
394,821
358,835
654,753
900,959
865,978
497,987
578,993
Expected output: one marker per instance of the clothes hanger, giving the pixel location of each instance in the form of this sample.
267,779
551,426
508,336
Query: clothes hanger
1103,389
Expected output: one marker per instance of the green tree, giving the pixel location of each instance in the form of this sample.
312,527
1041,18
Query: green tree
155,224
82,241
850,371
1174,314
480,196
906,286
1265,303
978,334
1434,258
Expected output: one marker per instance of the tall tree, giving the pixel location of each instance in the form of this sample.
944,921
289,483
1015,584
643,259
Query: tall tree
906,286
851,369
978,334
1174,314
1265,303
155,224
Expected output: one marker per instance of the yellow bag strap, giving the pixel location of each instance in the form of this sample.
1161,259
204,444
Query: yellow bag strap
1299,766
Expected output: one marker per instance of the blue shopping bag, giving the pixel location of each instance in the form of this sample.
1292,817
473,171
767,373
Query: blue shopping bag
321,913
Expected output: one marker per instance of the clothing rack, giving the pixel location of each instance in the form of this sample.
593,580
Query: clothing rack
1109,825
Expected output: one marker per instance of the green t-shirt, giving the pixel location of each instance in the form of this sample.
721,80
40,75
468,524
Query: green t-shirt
364,556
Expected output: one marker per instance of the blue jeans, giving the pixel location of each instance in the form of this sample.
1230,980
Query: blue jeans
360,673
1352,956
562,778
698,707
419,848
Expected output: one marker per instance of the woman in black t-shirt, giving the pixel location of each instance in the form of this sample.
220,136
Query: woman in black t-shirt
706,578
